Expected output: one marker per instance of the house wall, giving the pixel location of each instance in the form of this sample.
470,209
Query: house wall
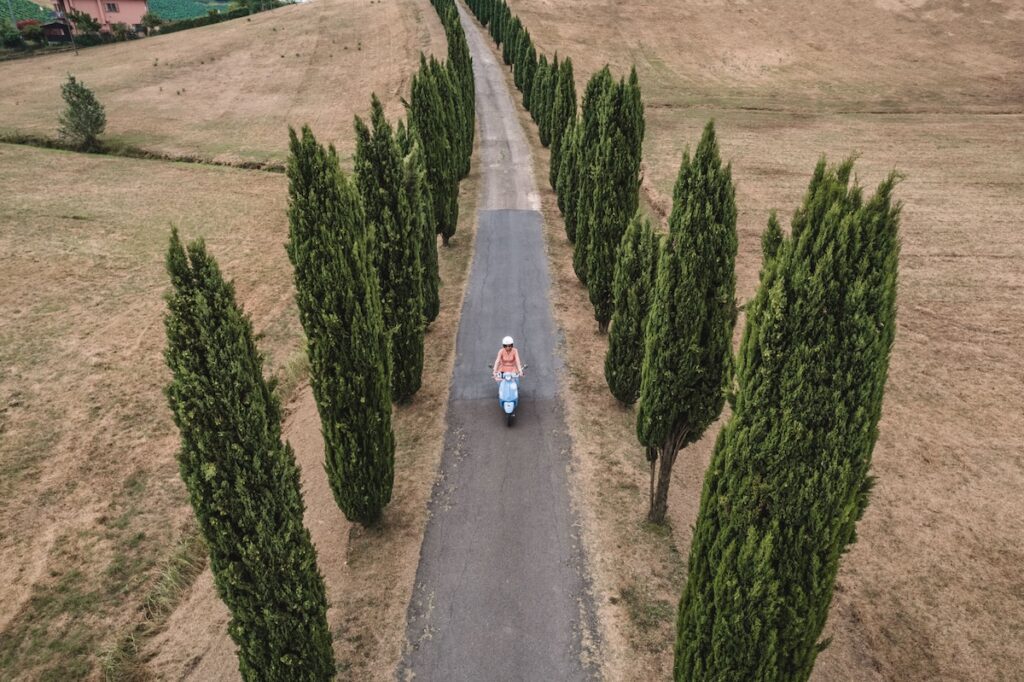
128,11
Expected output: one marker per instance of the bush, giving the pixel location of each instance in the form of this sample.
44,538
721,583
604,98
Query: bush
84,118
10,37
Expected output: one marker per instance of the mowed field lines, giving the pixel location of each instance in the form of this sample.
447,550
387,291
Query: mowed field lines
93,504
228,91
932,590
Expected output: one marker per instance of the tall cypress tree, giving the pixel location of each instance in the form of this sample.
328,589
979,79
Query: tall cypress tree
688,353
788,479
380,178
428,114
537,89
617,194
242,480
635,271
568,177
599,89
548,105
529,71
563,111
339,306
418,204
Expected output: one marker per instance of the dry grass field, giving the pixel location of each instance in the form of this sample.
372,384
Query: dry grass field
95,526
933,589
229,91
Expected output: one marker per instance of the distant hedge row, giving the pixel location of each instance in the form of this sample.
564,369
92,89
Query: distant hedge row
204,20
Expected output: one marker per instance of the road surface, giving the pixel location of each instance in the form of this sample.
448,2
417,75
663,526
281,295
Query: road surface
501,589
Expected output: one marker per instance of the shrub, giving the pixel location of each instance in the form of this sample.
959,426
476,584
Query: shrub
84,118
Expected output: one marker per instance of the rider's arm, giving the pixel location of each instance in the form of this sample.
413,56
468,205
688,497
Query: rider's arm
494,369
519,363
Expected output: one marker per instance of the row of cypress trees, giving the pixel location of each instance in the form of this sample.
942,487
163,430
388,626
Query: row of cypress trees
364,251
788,479
595,161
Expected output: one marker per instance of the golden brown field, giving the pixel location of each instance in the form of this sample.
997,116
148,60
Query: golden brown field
95,530
933,588
229,91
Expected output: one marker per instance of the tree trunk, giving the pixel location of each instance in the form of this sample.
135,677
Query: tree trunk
659,498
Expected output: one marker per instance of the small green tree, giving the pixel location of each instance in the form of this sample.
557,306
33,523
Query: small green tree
83,118
152,20
789,479
380,178
84,22
687,365
340,308
635,271
242,480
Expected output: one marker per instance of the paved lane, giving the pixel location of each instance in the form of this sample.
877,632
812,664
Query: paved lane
501,589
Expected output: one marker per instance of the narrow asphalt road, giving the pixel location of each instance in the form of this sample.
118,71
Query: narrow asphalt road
501,589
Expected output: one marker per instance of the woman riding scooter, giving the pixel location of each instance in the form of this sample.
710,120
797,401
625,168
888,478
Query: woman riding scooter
507,360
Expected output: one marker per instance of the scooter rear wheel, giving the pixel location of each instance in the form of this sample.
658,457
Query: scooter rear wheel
509,418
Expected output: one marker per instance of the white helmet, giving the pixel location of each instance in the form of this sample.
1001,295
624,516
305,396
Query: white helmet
507,341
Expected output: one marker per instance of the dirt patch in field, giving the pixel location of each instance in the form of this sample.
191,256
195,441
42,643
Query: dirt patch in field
229,91
932,588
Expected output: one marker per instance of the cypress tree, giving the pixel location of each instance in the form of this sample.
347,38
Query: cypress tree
771,239
687,364
381,180
428,114
568,177
563,111
599,89
529,69
242,480
451,100
544,122
635,270
788,479
420,207
340,308
617,195
536,107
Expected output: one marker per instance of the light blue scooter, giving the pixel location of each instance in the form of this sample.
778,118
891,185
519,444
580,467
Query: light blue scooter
508,395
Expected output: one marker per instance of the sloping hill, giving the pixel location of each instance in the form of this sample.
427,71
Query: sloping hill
229,91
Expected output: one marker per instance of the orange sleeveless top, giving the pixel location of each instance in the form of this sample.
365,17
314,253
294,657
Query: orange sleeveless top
508,360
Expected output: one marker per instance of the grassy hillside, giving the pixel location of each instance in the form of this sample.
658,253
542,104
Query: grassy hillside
932,88
229,91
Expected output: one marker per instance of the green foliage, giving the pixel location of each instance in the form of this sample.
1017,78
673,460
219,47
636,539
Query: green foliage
568,177
24,9
688,346
537,99
562,108
340,308
788,479
529,69
616,194
32,32
83,118
175,10
635,271
599,88
152,20
396,224
10,37
242,480
417,198
771,239
85,23
428,115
